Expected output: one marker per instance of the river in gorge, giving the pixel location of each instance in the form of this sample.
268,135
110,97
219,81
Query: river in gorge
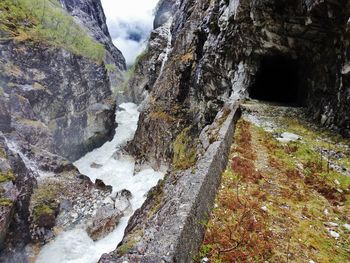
75,246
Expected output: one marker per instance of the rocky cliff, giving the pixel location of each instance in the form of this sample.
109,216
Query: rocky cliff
56,104
17,182
91,16
65,99
216,51
53,100
150,63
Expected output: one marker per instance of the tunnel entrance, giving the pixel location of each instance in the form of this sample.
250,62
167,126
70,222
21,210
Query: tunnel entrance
278,80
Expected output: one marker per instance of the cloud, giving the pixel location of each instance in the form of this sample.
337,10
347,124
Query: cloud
129,23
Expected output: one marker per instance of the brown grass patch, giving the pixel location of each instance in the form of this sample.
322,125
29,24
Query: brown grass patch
244,141
245,169
238,231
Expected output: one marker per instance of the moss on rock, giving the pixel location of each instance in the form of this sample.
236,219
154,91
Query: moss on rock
130,243
162,115
6,202
185,150
7,176
123,249
2,151
42,209
156,194
44,202
44,215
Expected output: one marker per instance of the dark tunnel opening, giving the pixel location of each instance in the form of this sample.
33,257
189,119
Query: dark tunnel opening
278,80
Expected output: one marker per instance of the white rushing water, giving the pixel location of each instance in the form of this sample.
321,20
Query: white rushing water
29,163
168,46
76,246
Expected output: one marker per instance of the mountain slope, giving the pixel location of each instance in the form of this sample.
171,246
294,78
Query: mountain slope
218,47
221,52
56,104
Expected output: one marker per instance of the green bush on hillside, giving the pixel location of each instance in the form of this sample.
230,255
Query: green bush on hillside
46,20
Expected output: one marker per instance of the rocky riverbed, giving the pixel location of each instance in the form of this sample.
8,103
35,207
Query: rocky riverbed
94,224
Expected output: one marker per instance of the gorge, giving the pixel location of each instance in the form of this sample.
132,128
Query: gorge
169,147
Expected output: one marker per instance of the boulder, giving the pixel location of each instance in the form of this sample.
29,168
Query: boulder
122,200
45,215
104,222
95,165
99,184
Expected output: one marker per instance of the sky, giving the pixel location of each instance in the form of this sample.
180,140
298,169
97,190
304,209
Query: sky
129,23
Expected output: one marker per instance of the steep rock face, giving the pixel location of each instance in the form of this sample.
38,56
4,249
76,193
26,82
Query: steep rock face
217,48
55,101
91,16
54,107
151,63
16,186
164,12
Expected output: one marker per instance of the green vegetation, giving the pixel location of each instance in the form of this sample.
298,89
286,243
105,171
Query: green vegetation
131,241
44,199
185,150
305,153
122,87
46,21
123,249
156,195
161,115
38,86
33,123
275,202
140,57
6,202
111,67
129,73
315,138
11,70
226,112
2,152
5,177
42,210
48,191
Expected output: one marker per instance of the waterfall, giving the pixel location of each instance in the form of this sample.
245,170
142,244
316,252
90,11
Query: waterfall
29,163
116,169
168,49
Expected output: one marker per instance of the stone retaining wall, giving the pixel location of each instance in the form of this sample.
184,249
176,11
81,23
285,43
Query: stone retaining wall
183,202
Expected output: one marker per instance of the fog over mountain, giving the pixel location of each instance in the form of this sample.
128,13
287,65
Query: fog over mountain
129,24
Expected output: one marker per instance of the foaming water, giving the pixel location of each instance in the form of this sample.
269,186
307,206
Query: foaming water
29,163
116,169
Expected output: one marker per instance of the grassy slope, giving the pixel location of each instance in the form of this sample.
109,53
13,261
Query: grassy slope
46,21
276,202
